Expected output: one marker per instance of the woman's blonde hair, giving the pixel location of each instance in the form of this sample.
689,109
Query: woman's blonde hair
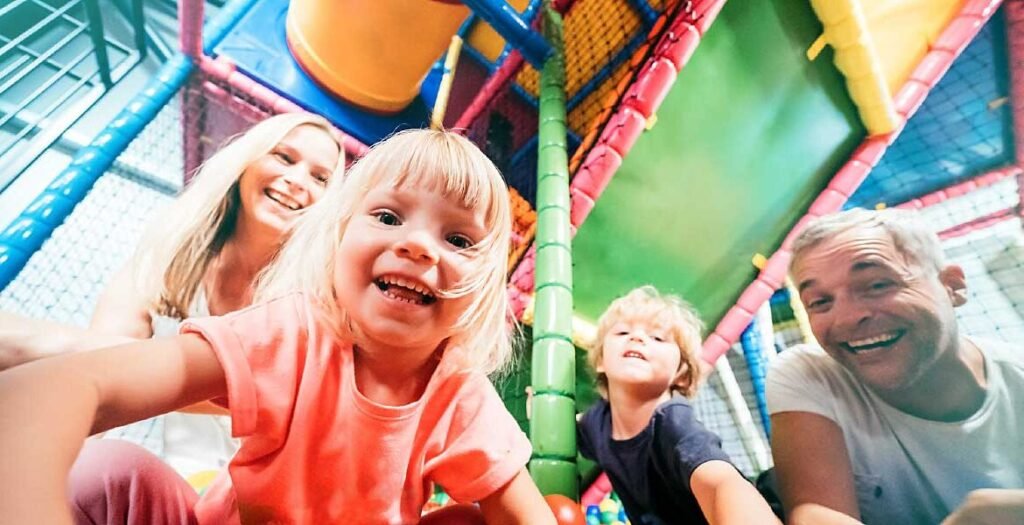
665,311
440,161
179,246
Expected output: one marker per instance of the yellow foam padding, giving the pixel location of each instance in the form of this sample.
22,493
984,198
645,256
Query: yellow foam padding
485,39
856,57
903,30
200,480
373,54
878,43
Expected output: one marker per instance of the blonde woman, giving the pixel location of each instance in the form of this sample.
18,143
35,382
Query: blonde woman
201,258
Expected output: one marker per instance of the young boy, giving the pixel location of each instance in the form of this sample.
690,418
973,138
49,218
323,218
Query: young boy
664,465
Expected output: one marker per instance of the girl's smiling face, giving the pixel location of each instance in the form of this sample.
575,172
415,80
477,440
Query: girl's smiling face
402,250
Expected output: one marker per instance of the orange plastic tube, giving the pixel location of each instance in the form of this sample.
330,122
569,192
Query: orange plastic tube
372,54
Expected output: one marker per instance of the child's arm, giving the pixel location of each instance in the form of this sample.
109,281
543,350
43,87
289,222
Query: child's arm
814,472
518,501
23,339
48,407
725,497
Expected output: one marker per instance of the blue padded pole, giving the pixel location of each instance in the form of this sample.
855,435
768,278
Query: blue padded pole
751,342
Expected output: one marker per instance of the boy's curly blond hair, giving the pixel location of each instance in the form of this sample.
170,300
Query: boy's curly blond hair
667,311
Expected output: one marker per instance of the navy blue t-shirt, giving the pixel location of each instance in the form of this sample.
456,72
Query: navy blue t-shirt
651,471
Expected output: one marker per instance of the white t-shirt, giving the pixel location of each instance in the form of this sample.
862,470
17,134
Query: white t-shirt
189,443
909,470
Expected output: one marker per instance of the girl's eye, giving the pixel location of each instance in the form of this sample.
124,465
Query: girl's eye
658,338
320,177
387,218
460,241
283,157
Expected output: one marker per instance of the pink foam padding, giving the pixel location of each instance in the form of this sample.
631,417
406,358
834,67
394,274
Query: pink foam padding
623,129
714,347
754,296
774,273
652,86
705,12
679,43
581,204
932,67
960,31
190,27
910,97
597,171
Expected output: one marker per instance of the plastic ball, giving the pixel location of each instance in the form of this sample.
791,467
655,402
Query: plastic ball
566,511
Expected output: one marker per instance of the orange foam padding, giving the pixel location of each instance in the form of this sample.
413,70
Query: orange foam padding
373,54
960,31
643,96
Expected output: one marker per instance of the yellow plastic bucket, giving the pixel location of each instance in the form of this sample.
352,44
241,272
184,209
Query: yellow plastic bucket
373,54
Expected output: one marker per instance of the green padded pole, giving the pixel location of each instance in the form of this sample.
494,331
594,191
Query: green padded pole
553,370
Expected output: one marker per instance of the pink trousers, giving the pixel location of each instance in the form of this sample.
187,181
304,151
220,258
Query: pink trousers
115,481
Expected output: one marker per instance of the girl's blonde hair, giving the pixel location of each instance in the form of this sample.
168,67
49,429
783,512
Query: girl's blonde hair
439,161
670,312
179,246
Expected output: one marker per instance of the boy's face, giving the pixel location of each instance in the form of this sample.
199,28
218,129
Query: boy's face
639,356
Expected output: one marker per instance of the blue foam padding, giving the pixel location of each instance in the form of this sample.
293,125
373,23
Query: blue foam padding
957,133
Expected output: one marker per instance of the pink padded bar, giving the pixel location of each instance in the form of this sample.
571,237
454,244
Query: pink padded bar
961,188
494,85
978,224
191,27
224,71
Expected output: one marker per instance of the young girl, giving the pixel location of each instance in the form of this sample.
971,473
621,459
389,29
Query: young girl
200,257
357,385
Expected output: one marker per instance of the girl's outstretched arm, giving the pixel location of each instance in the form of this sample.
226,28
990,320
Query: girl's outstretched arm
518,502
48,407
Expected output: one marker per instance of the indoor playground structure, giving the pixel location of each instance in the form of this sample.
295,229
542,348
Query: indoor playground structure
679,143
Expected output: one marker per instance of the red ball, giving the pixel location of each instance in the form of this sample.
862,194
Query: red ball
566,511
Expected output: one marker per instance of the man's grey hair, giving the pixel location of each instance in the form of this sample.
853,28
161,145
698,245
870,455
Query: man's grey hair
912,238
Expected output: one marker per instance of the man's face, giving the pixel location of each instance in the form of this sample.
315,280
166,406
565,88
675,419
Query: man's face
882,315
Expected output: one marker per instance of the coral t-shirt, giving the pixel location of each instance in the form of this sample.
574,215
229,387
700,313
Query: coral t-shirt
315,450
